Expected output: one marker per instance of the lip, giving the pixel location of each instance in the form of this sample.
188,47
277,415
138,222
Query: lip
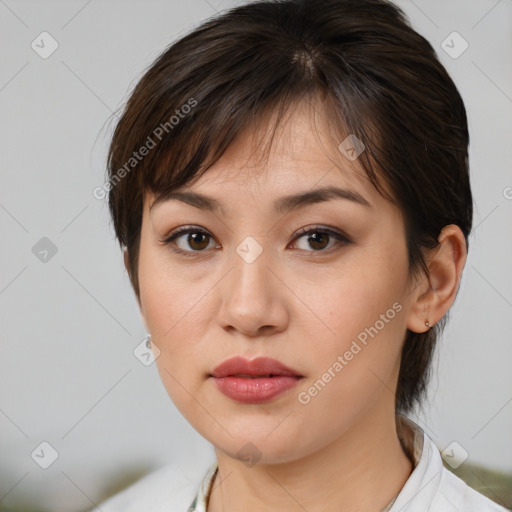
256,381
259,367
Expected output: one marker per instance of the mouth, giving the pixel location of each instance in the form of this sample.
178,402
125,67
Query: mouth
253,382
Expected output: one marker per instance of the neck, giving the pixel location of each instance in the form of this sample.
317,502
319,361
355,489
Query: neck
363,469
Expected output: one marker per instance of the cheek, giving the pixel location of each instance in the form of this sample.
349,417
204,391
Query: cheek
175,311
368,295
169,298
175,316
363,323
368,335
356,366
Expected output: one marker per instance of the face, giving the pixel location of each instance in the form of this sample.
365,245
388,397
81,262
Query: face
321,286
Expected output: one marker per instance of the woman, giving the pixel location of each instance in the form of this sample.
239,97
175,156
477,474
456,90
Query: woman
289,183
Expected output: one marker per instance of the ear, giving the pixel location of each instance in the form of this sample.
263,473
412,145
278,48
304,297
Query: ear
434,295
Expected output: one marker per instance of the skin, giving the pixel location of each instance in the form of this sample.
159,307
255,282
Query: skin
300,303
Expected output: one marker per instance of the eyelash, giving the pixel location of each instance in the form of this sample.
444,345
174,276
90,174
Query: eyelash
341,239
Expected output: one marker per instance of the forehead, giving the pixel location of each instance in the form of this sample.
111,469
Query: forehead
303,141
303,153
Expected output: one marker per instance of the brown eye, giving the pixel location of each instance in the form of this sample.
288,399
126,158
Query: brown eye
189,240
318,239
197,241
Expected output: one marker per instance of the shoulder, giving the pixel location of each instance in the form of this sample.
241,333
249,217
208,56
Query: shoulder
171,487
454,494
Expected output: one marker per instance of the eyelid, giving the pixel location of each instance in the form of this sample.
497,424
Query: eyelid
323,229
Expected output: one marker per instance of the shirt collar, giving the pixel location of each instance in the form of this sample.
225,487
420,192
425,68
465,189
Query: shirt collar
421,487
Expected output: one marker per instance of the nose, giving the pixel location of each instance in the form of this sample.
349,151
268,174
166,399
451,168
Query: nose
253,297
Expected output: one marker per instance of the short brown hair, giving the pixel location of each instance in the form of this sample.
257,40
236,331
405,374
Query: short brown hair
379,80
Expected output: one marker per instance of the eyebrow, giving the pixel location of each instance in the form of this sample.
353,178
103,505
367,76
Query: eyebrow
282,205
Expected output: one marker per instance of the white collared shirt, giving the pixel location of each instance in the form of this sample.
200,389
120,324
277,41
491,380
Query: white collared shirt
431,487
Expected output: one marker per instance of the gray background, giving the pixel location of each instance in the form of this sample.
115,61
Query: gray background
70,323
